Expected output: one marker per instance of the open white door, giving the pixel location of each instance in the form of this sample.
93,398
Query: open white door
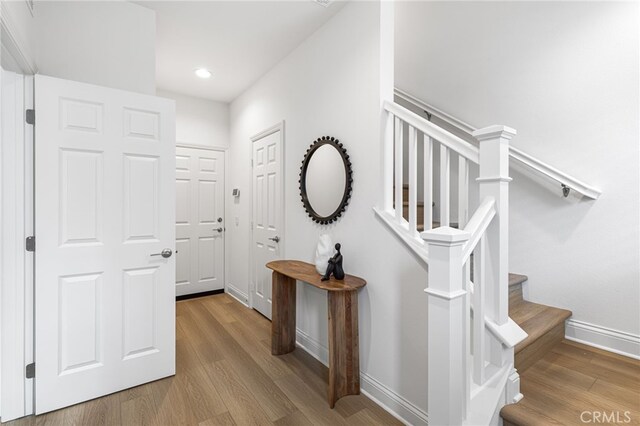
105,195
268,213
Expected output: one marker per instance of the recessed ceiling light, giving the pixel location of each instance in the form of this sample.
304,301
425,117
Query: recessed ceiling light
203,73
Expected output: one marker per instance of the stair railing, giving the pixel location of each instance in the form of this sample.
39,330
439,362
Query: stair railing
471,339
401,122
567,182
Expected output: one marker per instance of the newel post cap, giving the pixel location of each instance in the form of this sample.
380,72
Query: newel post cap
494,132
445,236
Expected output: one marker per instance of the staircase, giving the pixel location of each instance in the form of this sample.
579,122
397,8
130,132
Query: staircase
543,324
482,334
464,242
566,383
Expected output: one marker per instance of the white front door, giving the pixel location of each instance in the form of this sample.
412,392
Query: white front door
267,222
200,225
105,210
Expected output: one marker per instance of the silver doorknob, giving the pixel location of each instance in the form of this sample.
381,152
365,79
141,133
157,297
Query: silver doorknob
164,253
276,239
219,229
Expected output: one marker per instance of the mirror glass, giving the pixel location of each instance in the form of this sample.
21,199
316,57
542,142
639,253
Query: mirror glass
325,180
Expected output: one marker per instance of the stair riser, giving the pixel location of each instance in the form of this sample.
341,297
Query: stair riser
515,294
538,349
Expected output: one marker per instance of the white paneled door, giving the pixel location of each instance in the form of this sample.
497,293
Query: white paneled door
200,225
105,232
268,213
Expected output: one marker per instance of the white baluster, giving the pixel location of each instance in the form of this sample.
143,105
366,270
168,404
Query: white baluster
399,169
494,182
445,184
428,182
463,191
478,312
387,165
466,279
413,180
447,369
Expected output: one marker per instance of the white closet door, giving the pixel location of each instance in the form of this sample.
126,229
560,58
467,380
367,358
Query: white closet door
105,207
268,214
200,225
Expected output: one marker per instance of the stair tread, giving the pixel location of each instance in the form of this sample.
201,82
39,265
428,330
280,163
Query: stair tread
515,279
536,320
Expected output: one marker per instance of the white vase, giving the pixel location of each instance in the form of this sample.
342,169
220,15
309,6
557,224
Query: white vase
324,252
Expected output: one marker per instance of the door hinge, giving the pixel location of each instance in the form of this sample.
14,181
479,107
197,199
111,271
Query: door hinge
31,370
31,116
31,243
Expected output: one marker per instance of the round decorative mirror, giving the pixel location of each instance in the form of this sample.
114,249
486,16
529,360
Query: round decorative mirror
325,180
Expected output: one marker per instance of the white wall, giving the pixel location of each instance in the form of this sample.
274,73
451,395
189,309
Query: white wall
107,43
331,85
565,75
200,121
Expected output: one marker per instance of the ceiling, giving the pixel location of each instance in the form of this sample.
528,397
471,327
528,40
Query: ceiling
238,41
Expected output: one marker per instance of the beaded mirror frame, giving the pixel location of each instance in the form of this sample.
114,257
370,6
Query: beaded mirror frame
335,143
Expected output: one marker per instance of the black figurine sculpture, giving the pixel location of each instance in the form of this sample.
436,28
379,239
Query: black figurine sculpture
335,266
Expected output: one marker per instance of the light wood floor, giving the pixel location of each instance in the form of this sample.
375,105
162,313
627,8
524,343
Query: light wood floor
573,379
225,375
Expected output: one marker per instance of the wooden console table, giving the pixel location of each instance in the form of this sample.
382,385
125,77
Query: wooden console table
344,357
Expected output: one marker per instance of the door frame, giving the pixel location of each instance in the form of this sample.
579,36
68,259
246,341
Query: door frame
225,151
17,264
17,312
269,131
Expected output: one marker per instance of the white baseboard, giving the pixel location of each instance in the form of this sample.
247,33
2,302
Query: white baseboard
618,342
403,410
312,346
237,294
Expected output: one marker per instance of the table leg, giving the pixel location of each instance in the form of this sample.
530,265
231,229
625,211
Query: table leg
283,314
344,363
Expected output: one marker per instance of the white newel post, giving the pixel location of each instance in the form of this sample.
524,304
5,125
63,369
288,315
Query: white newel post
447,364
494,182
